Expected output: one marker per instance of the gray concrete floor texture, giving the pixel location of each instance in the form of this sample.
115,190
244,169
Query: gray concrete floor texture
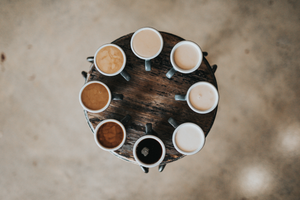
47,150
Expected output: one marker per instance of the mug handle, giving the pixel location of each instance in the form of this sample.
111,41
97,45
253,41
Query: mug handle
179,97
90,59
148,65
173,122
117,96
125,75
170,73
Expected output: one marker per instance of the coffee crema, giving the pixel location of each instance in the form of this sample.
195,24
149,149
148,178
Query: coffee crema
110,135
146,43
109,59
202,97
94,96
188,138
186,56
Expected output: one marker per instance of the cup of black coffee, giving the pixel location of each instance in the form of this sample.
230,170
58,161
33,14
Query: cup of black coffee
149,151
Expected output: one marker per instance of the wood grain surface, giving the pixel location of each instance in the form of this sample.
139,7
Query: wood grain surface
149,97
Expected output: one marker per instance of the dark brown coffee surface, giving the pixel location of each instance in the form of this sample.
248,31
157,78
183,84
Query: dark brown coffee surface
110,135
149,151
149,97
95,96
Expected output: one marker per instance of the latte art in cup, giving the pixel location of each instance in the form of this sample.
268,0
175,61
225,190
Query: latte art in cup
109,59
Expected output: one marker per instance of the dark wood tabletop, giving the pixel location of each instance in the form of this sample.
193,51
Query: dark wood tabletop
149,97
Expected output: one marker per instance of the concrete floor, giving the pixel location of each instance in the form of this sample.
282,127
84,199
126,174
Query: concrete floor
47,150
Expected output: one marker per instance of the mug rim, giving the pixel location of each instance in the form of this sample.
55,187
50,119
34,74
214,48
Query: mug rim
96,131
214,90
124,61
201,144
163,154
147,28
109,97
198,63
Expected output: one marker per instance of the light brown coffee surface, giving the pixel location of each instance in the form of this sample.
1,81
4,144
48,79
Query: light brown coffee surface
146,43
202,97
109,59
110,135
186,56
95,96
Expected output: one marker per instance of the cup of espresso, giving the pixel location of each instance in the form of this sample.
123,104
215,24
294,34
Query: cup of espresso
95,96
110,134
149,151
188,138
185,57
110,60
202,97
146,43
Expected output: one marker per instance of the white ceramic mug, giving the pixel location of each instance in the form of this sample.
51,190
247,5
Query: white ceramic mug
156,153
121,71
107,135
110,97
203,95
146,58
188,138
176,68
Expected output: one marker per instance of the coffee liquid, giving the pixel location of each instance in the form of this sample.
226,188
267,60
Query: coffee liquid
202,97
186,56
149,151
94,96
109,59
146,43
188,138
110,135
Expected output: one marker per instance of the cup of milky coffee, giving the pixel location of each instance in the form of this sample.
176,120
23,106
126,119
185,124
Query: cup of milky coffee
95,96
110,135
202,97
149,151
146,43
110,60
185,57
188,138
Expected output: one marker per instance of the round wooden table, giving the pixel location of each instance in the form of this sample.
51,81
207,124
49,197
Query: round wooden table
149,97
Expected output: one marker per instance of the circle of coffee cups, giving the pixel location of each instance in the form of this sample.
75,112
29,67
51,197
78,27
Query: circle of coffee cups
162,156
198,138
147,59
122,67
99,110
101,145
187,97
177,68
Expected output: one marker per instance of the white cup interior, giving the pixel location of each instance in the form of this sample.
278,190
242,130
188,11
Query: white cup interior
123,65
102,123
201,138
198,63
215,93
145,164
139,56
95,111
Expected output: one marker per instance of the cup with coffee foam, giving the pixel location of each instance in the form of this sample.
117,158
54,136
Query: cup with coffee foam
110,60
185,57
95,96
110,134
146,43
188,138
202,97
